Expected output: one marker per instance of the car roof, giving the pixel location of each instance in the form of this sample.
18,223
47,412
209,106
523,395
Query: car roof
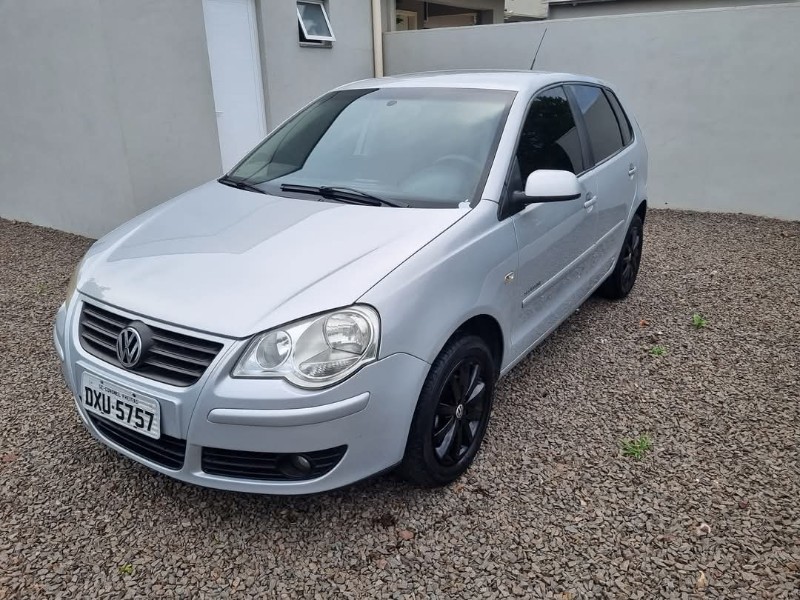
480,79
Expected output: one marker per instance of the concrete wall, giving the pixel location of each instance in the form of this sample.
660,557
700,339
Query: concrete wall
715,91
107,109
568,10
294,75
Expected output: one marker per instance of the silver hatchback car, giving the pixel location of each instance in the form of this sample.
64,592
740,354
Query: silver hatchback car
344,300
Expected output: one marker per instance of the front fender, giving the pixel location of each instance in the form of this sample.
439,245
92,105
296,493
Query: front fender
458,275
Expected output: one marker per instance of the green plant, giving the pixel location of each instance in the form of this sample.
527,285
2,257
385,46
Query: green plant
658,350
699,321
636,447
126,569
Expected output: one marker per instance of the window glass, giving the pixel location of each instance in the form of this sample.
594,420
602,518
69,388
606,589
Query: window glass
314,21
427,147
549,138
622,118
604,134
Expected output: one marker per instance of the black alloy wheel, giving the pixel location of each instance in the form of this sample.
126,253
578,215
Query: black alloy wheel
462,406
452,413
620,283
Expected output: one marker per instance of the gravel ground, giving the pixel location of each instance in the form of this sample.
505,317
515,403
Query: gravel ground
550,509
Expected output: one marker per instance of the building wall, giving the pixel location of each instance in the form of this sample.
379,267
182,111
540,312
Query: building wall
568,10
714,90
107,109
295,75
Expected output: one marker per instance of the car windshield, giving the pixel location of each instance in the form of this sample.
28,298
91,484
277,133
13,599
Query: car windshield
421,147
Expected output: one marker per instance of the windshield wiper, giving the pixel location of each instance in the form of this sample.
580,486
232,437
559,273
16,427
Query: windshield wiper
343,194
240,184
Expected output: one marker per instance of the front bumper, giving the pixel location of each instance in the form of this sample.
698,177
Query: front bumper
370,413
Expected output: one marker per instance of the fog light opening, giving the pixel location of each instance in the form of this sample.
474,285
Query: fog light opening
295,465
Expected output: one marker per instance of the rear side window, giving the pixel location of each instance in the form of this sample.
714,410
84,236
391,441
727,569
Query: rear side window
549,138
605,136
622,118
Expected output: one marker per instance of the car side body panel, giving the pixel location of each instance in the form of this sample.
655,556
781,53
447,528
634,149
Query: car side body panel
424,301
555,239
620,180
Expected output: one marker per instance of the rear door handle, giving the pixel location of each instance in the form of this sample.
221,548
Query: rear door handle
590,200
631,170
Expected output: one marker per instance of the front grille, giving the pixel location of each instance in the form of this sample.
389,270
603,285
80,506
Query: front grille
173,358
268,466
166,451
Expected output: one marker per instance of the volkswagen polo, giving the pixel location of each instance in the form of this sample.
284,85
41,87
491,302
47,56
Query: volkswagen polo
344,300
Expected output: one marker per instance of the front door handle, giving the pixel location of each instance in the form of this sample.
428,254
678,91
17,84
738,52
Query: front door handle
631,170
590,200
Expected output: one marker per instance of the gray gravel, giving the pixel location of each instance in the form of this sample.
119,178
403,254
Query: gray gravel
550,509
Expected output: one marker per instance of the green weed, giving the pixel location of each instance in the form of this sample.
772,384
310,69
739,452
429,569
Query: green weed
636,447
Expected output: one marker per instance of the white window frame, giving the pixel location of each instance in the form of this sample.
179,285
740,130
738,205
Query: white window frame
315,38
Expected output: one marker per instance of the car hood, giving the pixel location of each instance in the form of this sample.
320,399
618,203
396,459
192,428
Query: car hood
232,262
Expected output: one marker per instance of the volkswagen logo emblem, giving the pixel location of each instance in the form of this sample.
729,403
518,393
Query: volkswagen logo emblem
129,347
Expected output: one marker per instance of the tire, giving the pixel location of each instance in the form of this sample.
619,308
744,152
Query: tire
447,431
620,283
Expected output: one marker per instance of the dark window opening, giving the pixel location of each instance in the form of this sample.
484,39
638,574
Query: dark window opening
549,138
622,118
605,137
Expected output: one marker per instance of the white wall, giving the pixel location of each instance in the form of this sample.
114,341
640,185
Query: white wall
105,109
716,92
106,106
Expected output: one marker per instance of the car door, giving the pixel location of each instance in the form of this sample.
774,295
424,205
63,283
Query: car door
614,169
553,238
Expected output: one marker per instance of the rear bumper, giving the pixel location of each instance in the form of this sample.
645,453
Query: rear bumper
369,413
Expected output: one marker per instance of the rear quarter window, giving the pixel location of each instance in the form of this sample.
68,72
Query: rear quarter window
622,118
605,137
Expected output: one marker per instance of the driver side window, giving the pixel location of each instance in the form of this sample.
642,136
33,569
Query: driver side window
549,138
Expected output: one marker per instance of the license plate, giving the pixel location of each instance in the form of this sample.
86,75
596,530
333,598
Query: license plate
133,410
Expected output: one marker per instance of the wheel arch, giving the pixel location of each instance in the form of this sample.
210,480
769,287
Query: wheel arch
641,210
488,329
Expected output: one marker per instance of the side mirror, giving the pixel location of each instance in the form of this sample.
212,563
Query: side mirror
547,185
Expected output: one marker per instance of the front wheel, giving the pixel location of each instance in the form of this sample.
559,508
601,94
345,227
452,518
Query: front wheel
452,413
620,282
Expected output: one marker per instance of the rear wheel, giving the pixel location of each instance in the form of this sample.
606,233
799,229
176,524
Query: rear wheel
620,282
452,413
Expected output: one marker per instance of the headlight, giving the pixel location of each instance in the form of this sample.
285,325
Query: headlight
314,352
73,282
